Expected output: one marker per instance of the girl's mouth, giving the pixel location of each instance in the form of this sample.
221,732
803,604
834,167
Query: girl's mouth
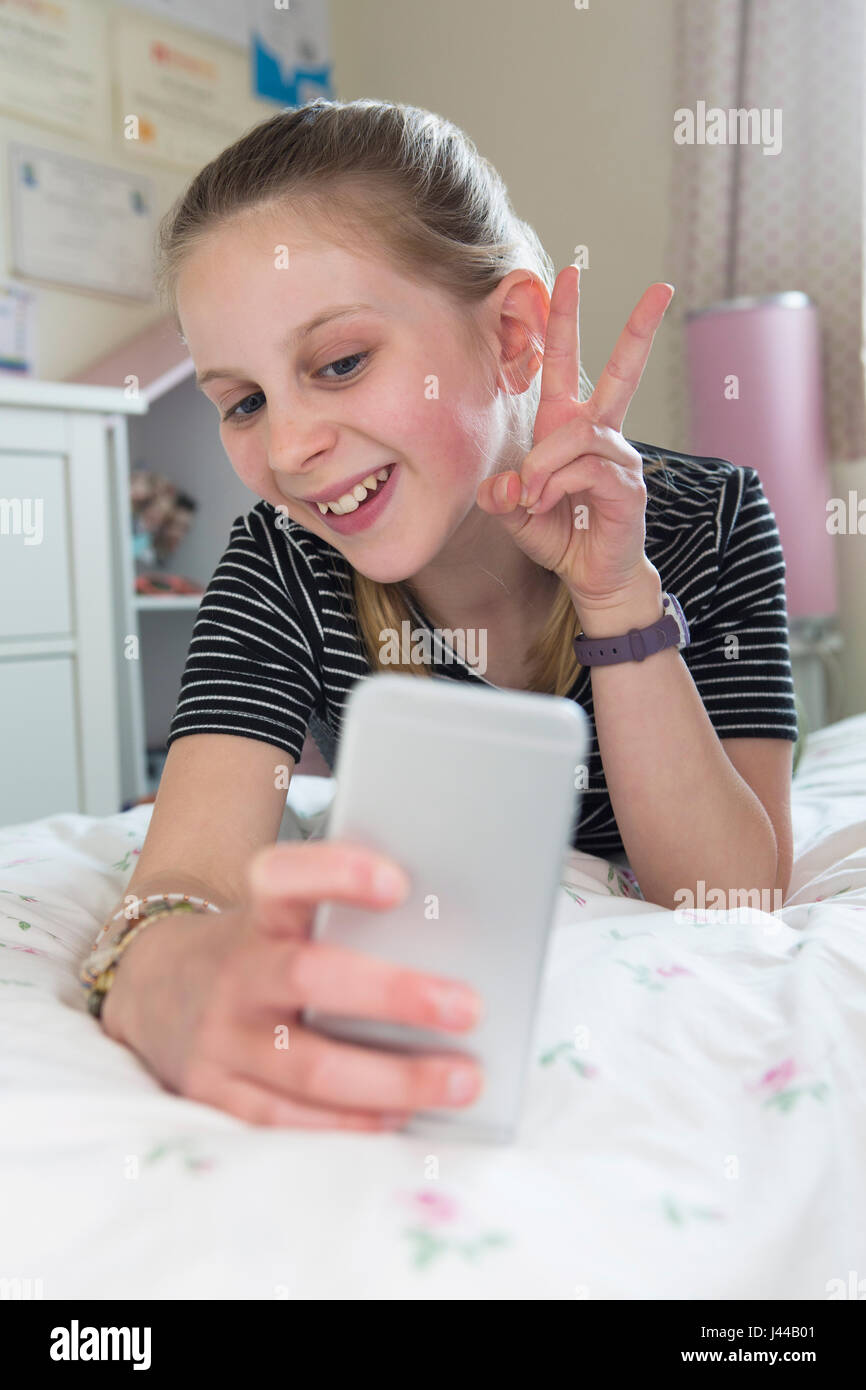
366,512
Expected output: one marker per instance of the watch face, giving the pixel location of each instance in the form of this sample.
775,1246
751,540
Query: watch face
673,609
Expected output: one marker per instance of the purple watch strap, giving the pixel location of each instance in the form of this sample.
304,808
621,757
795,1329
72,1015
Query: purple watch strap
634,645
637,643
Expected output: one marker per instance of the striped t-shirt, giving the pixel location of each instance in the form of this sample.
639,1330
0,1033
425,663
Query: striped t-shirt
276,647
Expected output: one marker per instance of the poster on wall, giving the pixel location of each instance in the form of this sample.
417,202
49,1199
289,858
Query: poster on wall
81,224
287,41
290,51
17,330
222,19
181,97
54,66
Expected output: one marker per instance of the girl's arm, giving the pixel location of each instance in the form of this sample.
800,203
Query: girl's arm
218,803
684,812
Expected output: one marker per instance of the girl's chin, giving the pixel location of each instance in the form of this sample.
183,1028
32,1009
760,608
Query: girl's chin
386,574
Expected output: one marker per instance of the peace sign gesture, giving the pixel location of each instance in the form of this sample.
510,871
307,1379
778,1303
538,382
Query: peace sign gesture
582,511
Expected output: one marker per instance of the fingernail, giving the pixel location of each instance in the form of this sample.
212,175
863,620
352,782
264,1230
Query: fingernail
462,1083
502,489
524,495
388,882
453,1005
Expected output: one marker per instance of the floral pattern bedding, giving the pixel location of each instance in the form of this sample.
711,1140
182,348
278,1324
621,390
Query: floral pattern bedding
694,1124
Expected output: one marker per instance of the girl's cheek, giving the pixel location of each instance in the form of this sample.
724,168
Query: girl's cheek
255,474
391,417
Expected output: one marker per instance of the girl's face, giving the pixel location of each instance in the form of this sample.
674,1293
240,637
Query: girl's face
386,378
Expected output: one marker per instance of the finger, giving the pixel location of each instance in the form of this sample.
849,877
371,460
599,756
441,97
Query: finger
620,379
499,493
610,460
511,515
598,480
287,880
291,975
319,1070
578,436
560,369
249,1100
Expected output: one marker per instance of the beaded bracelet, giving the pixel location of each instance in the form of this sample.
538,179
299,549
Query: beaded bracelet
98,972
157,899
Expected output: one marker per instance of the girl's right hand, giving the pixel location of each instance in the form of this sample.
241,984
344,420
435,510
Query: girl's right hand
207,1002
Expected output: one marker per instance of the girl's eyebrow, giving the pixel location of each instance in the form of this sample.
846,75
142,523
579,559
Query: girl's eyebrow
303,331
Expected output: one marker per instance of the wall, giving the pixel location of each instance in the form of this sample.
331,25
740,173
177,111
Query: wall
573,108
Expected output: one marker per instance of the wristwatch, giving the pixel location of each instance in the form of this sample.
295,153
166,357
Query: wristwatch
671,630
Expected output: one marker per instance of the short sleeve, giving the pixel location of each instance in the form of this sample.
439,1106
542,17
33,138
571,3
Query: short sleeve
250,668
739,656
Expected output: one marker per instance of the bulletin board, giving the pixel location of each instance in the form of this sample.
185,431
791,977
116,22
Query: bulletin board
137,83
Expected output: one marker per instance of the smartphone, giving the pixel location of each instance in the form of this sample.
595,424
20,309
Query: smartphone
474,793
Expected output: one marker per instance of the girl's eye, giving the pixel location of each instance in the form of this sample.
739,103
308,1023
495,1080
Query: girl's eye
232,413
353,357
236,412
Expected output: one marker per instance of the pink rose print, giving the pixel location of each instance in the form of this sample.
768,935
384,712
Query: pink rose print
428,1243
777,1078
435,1207
780,1094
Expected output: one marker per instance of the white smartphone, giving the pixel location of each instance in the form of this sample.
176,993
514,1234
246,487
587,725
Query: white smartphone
473,792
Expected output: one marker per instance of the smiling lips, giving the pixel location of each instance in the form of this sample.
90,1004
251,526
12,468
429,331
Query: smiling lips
350,501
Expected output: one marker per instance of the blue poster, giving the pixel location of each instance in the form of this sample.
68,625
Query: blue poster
289,51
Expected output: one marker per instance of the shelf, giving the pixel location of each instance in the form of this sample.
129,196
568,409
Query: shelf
163,603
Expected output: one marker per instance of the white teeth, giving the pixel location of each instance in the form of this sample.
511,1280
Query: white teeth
350,501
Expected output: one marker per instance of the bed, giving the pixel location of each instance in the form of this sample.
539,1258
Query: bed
694,1123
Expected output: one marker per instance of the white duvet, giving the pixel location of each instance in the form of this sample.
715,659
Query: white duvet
694,1125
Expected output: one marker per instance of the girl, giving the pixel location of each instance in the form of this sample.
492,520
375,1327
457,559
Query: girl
398,378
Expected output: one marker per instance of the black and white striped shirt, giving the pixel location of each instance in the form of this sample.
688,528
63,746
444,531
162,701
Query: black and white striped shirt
276,649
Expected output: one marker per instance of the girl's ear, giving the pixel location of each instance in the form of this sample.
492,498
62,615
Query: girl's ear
521,306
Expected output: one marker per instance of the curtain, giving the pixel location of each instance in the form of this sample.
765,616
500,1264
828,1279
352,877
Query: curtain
749,223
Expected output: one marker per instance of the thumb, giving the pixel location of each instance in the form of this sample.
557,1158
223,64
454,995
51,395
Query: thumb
500,496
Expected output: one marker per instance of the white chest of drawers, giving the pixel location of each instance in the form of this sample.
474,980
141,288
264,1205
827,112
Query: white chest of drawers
63,611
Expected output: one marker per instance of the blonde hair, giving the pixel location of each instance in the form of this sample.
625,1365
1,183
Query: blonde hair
414,184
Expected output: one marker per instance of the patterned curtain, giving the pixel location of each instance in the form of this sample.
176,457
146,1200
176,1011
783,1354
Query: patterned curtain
749,223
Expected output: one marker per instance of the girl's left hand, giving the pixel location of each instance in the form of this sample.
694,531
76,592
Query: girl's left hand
580,457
